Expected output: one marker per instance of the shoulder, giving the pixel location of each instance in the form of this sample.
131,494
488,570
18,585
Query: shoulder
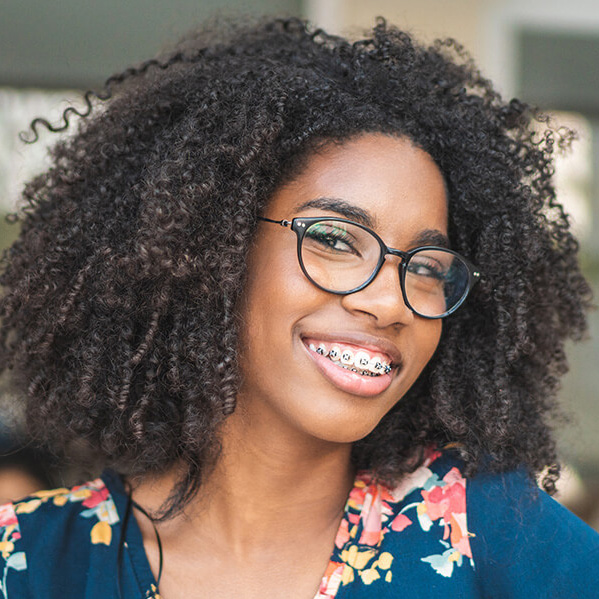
523,536
86,508
439,533
78,526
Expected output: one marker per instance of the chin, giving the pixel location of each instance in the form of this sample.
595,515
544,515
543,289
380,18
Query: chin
341,428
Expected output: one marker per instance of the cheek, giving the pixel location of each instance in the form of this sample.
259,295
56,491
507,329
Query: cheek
420,348
277,289
424,344
434,335
277,294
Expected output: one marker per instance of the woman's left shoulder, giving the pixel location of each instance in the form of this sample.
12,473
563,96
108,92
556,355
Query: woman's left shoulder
522,538
442,533
502,505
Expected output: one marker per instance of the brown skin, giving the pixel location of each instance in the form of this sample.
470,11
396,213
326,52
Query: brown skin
265,522
15,482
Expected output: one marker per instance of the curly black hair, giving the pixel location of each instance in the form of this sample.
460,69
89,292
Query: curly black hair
119,317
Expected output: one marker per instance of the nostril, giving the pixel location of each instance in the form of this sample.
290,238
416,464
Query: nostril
382,299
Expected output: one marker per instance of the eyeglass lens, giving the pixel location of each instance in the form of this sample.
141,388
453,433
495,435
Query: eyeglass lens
340,256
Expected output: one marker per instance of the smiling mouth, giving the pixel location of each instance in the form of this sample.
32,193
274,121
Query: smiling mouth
360,361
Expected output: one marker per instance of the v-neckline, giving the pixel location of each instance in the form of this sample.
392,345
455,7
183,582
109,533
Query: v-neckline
148,586
133,539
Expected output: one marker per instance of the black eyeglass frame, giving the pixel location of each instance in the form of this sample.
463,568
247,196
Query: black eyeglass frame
300,225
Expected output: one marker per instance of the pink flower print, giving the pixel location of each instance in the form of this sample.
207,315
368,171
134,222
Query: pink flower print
372,519
7,515
449,504
460,537
373,510
342,534
353,518
358,493
97,496
331,581
400,522
442,501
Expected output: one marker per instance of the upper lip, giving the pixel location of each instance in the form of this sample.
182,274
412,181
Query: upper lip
368,342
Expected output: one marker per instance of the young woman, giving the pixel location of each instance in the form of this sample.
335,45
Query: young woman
305,301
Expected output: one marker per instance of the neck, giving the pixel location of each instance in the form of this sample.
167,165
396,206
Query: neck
269,486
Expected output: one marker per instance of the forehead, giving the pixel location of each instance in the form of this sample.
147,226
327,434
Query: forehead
396,183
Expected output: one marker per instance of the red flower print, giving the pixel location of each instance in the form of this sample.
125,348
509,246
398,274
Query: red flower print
97,496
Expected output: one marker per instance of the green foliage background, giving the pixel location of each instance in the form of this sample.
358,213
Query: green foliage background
8,232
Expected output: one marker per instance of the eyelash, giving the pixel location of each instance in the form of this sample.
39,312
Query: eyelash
320,233
436,270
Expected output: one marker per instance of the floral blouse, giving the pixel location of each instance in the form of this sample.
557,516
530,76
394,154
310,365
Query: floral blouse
435,535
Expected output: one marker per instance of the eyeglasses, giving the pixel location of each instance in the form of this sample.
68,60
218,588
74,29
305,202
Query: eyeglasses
342,257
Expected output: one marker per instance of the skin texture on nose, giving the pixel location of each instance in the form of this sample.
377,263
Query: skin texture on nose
402,191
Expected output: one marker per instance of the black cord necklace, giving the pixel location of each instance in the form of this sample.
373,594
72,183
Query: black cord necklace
133,504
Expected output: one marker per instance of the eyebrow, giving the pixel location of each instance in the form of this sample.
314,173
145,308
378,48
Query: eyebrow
431,237
351,212
341,207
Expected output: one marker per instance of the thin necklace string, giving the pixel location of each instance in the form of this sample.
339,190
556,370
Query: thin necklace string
119,564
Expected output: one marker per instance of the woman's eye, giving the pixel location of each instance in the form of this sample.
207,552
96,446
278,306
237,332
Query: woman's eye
336,240
426,268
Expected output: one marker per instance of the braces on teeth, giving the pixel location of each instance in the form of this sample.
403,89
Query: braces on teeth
361,362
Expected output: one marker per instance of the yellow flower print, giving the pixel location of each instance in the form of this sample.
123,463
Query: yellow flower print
45,494
153,593
101,533
6,548
355,558
93,495
26,507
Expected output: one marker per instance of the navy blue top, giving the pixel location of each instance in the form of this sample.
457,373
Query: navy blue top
436,535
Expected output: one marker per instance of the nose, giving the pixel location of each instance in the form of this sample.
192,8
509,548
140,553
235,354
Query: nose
382,299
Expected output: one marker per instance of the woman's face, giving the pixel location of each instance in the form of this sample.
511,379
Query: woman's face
399,189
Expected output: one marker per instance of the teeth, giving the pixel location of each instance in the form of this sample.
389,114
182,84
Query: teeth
360,362
335,353
322,350
347,357
362,359
362,372
376,366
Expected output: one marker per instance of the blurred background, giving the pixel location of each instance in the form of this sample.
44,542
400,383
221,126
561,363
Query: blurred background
543,51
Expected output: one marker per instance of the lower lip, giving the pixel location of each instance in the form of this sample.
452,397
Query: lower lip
348,381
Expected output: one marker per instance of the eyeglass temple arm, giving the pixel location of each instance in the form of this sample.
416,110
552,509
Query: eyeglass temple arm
283,223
